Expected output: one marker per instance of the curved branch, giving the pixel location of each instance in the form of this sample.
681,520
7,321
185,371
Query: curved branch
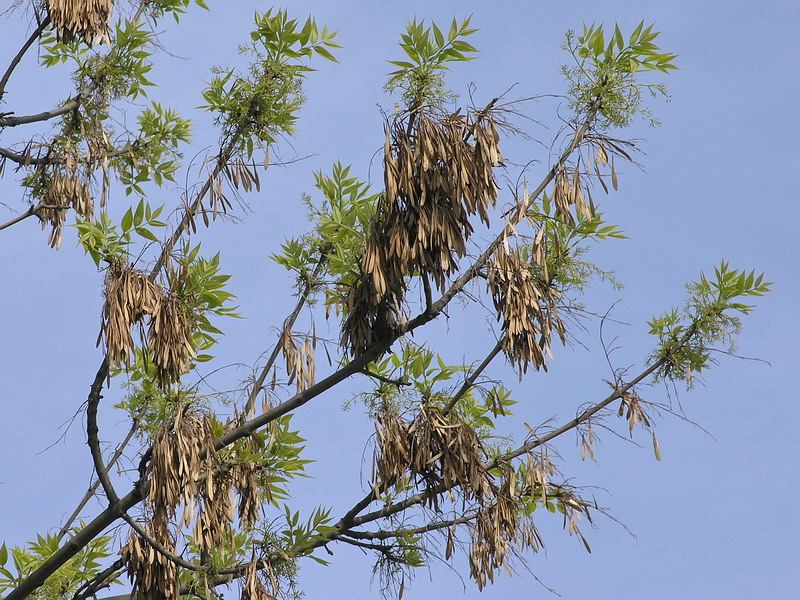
15,61
92,432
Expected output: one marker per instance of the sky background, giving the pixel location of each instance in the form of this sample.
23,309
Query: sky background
714,519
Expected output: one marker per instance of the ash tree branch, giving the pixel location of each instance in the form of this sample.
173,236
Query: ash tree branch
258,385
99,581
470,381
28,213
18,57
92,432
351,518
65,108
159,547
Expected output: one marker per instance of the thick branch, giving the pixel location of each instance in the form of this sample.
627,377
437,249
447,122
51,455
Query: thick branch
75,544
92,433
15,61
49,114
28,213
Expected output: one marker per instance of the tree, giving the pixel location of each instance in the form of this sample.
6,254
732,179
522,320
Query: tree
210,500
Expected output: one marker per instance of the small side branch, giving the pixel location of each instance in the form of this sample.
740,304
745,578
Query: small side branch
470,381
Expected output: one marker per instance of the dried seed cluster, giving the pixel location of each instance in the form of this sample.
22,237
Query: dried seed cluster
434,448
65,189
527,308
130,295
493,533
170,338
568,191
153,575
437,173
87,20
300,364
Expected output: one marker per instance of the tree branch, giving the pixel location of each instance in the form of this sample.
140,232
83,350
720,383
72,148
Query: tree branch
91,587
93,488
470,381
92,432
28,213
287,325
15,61
68,107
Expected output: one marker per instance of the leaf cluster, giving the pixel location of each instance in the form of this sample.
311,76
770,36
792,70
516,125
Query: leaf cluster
67,579
340,227
262,104
420,79
707,315
607,69
106,242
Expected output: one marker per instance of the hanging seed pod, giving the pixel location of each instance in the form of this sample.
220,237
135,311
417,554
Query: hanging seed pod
87,20
438,173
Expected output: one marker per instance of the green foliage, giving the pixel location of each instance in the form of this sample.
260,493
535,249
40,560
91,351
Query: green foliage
420,80
404,380
106,242
153,155
707,316
52,52
607,70
262,105
341,225
67,579
566,245
177,8
201,287
122,71
148,405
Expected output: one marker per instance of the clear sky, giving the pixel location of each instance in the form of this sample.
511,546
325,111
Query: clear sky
714,519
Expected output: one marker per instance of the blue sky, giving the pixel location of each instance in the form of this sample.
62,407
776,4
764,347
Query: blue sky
714,519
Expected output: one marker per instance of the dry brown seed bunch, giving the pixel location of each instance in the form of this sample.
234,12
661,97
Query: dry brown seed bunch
153,575
438,172
183,457
393,454
245,477
65,189
170,338
494,534
129,295
437,449
568,192
300,365
217,512
446,450
252,586
84,19
527,308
